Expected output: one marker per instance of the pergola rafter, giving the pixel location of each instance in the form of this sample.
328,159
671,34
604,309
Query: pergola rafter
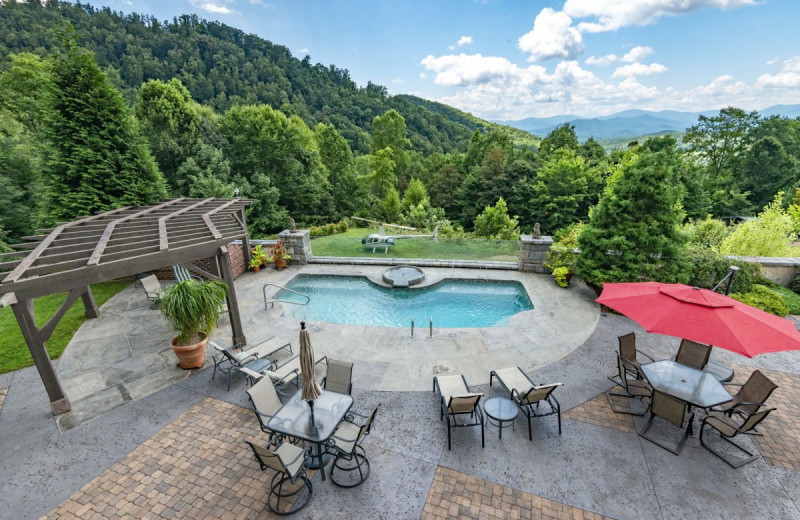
115,244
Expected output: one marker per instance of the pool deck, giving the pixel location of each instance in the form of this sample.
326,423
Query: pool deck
170,443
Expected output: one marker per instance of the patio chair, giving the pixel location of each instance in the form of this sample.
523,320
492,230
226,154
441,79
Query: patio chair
527,395
152,289
290,489
228,361
458,402
693,354
628,353
752,394
182,274
265,403
671,410
728,428
282,375
350,458
632,389
338,377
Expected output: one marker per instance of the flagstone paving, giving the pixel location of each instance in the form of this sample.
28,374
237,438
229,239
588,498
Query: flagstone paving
3,393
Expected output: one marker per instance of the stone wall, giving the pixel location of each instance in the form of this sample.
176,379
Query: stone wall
298,244
780,270
533,252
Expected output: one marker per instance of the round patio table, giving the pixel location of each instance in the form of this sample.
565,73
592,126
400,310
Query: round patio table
501,410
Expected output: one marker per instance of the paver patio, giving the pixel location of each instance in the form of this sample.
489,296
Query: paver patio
180,453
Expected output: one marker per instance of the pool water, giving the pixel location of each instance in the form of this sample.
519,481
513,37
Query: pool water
451,303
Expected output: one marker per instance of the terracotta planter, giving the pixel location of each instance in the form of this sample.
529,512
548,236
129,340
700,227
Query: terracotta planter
256,268
190,356
280,263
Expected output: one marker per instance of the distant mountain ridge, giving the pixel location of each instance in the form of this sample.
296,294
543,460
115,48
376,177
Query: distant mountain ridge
631,123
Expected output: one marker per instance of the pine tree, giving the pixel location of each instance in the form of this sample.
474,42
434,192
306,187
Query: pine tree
99,161
633,232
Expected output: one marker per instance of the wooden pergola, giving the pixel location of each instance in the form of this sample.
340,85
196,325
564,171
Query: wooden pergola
116,244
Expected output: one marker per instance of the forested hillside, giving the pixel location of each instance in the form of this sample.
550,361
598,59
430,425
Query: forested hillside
222,66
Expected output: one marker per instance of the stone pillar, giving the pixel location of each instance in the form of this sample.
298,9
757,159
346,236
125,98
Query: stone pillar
298,243
533,253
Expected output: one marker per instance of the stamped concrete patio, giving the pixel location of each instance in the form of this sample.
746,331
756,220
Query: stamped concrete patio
179,452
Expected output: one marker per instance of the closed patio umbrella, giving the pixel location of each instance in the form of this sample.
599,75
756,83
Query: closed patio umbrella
311,389
701,315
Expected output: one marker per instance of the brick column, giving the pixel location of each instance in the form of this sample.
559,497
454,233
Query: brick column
298,243
533,253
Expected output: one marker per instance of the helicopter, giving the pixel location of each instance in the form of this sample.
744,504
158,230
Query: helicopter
380,239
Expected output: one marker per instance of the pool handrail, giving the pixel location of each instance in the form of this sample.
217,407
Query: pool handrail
271,303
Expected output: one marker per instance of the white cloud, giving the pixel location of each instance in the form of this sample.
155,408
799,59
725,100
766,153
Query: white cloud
636,54
398,80
603,61
610,15
422,75
211,7
787,78
474,69
304,50
464,40
638,69
552,36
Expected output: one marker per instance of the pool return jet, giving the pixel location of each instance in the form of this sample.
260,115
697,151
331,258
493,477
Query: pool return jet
380,239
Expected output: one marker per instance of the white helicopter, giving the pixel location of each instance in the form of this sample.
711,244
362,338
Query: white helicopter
380,239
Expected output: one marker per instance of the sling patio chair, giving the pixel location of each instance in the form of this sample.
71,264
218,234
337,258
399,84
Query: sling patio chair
728,428
265,403
182,274
228,361
751,395
338,377
350,464
628,353
632,389
693,354
527,395
283,375
290,489
152,289
672,410
457,401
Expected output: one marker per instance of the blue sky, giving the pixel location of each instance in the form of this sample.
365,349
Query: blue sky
511,59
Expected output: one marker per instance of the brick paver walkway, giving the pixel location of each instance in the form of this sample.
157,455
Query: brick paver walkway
597,411
456,495
780,442
197,467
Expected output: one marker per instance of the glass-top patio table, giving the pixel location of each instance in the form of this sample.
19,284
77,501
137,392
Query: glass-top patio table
694,387
294,419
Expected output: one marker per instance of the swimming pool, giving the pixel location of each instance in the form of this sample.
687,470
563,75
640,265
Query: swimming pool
451,303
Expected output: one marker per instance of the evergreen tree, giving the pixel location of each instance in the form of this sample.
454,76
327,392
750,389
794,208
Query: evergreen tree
633,233
99,160
495,223
560,191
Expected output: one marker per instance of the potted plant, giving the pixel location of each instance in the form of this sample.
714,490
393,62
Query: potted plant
279,255
192,309
257,258
563,254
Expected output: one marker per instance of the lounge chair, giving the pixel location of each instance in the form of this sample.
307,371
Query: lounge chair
693,354
628,353
281,375
728,428
527,395
228,361
338,377
182,274
287,461
752,394
633,389
457,401
671,410
152,289
351,460
238,356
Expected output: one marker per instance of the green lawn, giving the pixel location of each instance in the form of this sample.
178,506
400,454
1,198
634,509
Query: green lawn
14,353
348,244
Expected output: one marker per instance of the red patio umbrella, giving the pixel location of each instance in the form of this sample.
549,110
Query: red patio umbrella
701,315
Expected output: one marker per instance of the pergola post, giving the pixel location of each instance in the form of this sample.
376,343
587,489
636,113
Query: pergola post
59,403
89,306
237,330
245,239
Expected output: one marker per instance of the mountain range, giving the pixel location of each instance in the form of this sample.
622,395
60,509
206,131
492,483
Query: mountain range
631,123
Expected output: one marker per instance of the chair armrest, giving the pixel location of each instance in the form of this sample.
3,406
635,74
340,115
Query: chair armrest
549,385
733,384
251,373
645,354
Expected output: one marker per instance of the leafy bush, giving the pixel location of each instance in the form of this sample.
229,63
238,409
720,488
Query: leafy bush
707,268
795,285
764,298
791,298
771,234
329,229
706,233
563,251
